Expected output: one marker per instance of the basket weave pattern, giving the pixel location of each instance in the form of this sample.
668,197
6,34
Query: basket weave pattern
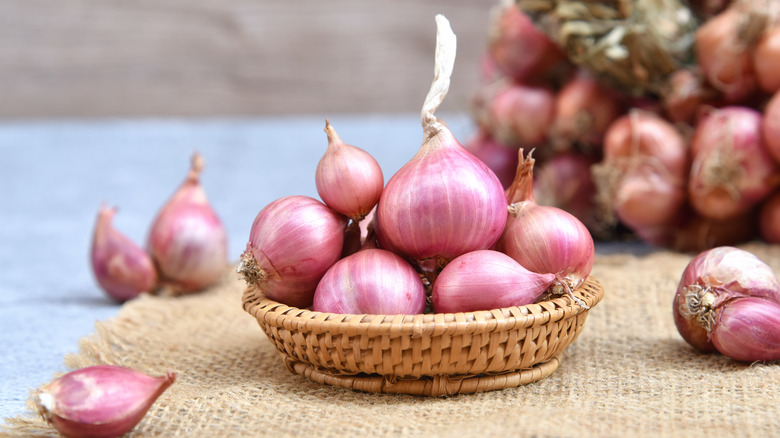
457,345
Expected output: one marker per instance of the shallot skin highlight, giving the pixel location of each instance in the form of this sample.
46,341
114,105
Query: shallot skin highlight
121,267
485,280
371,281
293,242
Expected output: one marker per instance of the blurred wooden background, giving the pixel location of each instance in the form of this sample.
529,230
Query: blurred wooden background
118,58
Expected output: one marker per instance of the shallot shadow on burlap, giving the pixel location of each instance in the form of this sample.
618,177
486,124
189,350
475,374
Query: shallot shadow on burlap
628,374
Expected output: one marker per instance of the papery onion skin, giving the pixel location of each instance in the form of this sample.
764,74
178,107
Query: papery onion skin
725,273
443,203
348,179
371,281
294,240
485,280
748,329
123,270
99,401
187,240
733,270
732,168
690,330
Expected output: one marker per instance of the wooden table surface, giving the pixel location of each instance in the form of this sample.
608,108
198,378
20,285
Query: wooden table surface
98,58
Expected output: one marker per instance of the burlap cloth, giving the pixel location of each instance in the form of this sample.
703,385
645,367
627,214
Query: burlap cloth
628,374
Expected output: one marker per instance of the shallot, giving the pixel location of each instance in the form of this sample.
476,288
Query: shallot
765,60
516,114
187,239
732,169
724,57
444,202
770,126
769,219
644,171
544,239
584,109
294,240
485,280
99,401
348,179
711,283
748,329
371,281
685,94
518,48
121,267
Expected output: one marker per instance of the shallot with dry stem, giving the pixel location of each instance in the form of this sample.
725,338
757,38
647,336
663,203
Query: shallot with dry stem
187,240
444,202
545,239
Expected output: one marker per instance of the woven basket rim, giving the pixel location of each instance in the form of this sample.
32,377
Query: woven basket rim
531,315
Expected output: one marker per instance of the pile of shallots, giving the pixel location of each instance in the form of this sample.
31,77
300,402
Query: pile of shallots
690,165
442,231
186,249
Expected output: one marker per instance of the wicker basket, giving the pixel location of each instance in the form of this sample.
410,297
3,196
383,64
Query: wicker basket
431,354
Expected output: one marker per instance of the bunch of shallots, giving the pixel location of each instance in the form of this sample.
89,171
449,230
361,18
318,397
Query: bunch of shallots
670,133
186,249
440,235
729,301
